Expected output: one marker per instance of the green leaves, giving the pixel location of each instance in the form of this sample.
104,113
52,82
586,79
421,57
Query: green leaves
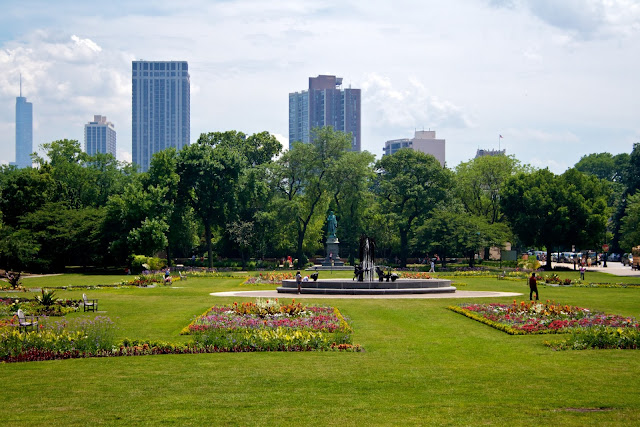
551,210
410,184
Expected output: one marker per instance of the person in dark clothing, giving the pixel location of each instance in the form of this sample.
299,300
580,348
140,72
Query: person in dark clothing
533,286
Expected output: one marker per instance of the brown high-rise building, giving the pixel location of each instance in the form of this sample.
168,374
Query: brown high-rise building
325,104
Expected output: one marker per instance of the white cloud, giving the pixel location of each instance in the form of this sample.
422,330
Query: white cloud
538,73
90,44
555,166
408,106
68,80
538,136
583,19
123,155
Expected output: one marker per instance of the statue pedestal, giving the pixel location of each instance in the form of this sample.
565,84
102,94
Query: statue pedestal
333,249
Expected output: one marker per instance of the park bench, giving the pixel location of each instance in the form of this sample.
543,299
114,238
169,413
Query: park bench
89,304
182,276
24,323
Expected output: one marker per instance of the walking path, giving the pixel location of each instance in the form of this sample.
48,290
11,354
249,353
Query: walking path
615,268
457,294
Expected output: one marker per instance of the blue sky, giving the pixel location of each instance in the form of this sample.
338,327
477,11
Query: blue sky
557,79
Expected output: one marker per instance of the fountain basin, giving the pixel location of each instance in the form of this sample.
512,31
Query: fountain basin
352,287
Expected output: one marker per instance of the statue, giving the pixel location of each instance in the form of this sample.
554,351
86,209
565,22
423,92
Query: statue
332,225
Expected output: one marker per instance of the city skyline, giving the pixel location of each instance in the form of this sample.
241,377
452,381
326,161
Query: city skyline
556,79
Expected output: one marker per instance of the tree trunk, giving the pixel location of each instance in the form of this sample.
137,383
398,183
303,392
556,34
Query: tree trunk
207,234
548,266
299,254
404,247
168,254
472,258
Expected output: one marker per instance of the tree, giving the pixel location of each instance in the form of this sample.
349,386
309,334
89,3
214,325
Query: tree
208,182
301,182
62,235
410,184
616,172
604,165
242,234
24,191
544,209
149,238
479,182
83,180
630,227
350,180
252,190
18,248
162,183
127,211
451,230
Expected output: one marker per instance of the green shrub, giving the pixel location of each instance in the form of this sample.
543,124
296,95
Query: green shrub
157,263
143,262
48,298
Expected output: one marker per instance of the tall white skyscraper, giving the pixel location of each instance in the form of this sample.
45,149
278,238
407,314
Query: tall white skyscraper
24,131
161,99
99,136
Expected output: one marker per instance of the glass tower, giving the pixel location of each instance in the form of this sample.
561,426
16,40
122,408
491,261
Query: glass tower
99,136
325,104
160,100
24,131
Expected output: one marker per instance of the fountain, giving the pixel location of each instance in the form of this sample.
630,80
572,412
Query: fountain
363,282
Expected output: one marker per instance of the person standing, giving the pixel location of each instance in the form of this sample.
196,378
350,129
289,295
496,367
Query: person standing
433,266
582,270
299,281
533,286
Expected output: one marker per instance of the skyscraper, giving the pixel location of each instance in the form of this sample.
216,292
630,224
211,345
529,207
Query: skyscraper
325,104
99,136
160,100
24,131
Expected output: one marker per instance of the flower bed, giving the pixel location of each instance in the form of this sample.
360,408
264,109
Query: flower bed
604,337
35,307
80,336
541,318
268,278
266,325
261,326
414,275
147,280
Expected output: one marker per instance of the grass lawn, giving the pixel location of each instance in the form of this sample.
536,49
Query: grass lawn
422,364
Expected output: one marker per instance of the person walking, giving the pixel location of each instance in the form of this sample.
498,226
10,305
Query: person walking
433,266
533,286
299,281
582,270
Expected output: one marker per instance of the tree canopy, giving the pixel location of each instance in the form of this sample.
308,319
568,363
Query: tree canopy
236,195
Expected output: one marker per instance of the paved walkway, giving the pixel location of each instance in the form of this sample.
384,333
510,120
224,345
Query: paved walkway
614,268
457,294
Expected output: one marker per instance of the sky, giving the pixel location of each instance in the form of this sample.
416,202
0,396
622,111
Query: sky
557,79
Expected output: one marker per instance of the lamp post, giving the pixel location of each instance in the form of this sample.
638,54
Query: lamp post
605,249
